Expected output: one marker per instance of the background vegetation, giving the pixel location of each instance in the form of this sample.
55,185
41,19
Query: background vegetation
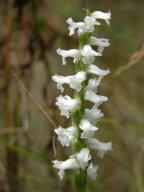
30,33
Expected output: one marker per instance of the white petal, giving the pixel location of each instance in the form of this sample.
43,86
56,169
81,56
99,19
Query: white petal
97,71
74,53
93,84
102,15
89,54
65,136
66,104
97,99
87,128
92,171
100,146
100,49
61,174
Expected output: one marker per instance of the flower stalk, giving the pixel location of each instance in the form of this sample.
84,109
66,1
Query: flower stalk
80,136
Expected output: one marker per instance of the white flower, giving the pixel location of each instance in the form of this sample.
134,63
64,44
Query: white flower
87,128
89,54
100,146
66,104
97,99
78,160
102,15
89,23
93,114
97,71
66,135
64,165
82,27
101,42
74,53
73,26
74,81
92,171
83,157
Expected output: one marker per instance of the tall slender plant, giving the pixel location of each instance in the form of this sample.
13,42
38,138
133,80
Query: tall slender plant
80,135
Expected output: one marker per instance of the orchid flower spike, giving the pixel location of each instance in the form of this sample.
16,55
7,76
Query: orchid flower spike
80,135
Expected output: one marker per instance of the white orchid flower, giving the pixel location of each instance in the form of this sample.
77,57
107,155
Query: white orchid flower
65,135
78,160
87,128
89,54
100,146
66,104
102,15
74,53
74,81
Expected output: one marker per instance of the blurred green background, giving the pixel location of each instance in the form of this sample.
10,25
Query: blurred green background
30,33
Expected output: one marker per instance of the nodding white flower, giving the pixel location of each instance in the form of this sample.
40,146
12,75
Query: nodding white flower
82,27
89,54
102,15
100,146
93,115
97,99
66,135
74,81
66,104
87,128
78,160
92,171
74,53
97,71
101,42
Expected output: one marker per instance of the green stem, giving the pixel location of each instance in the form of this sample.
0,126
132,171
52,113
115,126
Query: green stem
80,181
77,115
